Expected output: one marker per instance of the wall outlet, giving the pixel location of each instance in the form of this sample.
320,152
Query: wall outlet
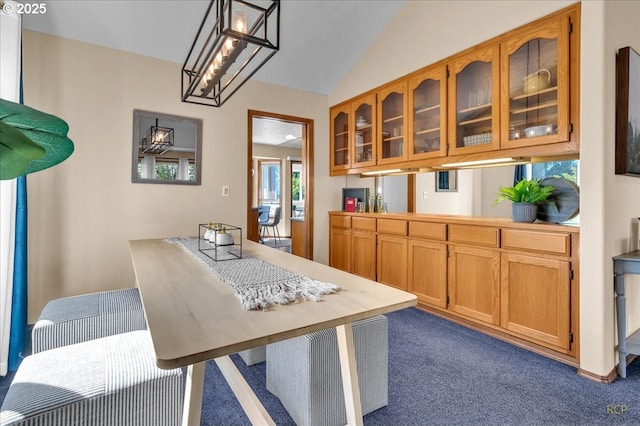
225,191
424,194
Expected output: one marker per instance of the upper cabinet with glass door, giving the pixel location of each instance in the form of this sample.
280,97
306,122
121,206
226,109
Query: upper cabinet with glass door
364,128
474,91
535,81
392,123
340,139
428,113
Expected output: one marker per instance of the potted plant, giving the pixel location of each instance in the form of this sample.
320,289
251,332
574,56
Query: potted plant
525,196
30,140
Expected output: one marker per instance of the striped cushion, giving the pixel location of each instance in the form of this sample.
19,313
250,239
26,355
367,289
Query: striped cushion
108,381
80,318
304,372
254,356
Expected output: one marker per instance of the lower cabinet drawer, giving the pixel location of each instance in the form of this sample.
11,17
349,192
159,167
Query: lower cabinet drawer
541,242
473,234
392,226
363,223
432,231
340,221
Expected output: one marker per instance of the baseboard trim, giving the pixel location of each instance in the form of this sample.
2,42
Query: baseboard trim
608,379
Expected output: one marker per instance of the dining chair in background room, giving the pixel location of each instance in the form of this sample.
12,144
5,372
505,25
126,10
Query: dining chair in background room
263,218
273,224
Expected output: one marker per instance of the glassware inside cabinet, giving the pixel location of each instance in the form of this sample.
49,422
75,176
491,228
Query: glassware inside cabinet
341,139
426,117
364,133
474,105
393,125
533,89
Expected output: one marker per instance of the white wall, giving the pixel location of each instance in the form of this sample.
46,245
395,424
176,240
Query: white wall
609,203
83,212
394,191
457,203
491,180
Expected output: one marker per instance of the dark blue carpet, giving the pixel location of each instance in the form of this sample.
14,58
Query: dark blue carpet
441,373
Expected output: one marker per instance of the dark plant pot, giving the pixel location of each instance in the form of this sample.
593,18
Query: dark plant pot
524,212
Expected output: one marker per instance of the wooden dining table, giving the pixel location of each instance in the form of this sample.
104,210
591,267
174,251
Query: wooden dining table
194,317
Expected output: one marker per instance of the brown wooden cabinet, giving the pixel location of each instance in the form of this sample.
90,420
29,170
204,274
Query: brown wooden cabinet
340,158
516,279
364,128
516,95
392,123
392,252
354,134
427,271
535,85
428,113
352,245
474,283
537,272
340,242
427,262
474,94
363,244
340,252
535,299
392,261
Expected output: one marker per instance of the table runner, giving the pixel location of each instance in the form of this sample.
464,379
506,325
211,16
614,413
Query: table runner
257,283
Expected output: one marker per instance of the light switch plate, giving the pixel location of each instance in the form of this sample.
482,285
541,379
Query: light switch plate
225,191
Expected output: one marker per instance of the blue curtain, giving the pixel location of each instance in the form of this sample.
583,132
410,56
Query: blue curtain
18,336
518,175
443,180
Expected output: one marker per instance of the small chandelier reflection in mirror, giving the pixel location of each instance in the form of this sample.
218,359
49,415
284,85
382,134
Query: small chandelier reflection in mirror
235,39
157,140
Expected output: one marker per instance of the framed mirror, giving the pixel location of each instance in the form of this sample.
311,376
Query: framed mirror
166,148
447,181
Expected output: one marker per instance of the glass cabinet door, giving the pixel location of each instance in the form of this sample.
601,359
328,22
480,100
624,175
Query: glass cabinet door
364,125
392,123
427,107
473,102
535,69
340,138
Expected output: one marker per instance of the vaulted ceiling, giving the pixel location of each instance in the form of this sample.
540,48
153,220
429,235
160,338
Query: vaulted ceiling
320,39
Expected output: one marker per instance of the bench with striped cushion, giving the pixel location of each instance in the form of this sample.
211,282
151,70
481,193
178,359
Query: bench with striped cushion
304,372
77,319
107,381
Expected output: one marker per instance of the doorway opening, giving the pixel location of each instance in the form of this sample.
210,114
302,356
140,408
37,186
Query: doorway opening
280,177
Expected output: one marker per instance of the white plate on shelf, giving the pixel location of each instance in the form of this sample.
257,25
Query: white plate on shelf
535,131
361,122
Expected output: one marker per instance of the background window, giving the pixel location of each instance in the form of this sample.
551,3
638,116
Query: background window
560,169
269,183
